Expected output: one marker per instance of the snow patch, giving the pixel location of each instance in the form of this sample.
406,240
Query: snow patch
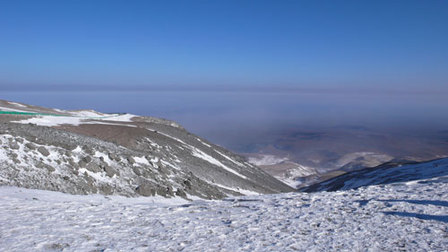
86,113
118,118
228,158
104,156
176,139
266,160
202,142
17,104
239,190
12,109
141,160
200,154
51,121
109,123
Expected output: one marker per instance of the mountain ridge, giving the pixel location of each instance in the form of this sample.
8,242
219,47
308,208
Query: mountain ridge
389,172
85,152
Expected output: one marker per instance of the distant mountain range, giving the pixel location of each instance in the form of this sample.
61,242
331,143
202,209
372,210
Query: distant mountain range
387,173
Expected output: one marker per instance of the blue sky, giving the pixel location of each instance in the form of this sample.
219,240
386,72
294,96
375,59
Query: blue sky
366,46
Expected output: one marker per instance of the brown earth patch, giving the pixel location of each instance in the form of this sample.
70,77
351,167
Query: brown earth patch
121,135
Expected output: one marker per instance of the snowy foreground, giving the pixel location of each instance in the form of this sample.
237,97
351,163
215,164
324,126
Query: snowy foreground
403,216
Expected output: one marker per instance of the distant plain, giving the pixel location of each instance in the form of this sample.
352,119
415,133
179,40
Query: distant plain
312,129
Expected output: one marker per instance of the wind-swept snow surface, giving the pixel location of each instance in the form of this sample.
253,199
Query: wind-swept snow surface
410,216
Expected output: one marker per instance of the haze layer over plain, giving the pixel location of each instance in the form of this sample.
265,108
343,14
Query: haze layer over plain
403,124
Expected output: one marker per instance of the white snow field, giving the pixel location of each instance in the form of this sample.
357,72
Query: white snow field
410,216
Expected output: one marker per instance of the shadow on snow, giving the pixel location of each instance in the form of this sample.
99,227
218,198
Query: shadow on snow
442,218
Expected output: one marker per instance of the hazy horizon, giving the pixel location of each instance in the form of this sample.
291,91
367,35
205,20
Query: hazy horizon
251,122
247,75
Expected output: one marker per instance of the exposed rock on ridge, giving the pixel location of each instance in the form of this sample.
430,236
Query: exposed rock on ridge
85,152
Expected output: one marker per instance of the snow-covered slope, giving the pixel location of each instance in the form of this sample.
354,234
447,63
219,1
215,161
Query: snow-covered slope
384,174
86,152
410,216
